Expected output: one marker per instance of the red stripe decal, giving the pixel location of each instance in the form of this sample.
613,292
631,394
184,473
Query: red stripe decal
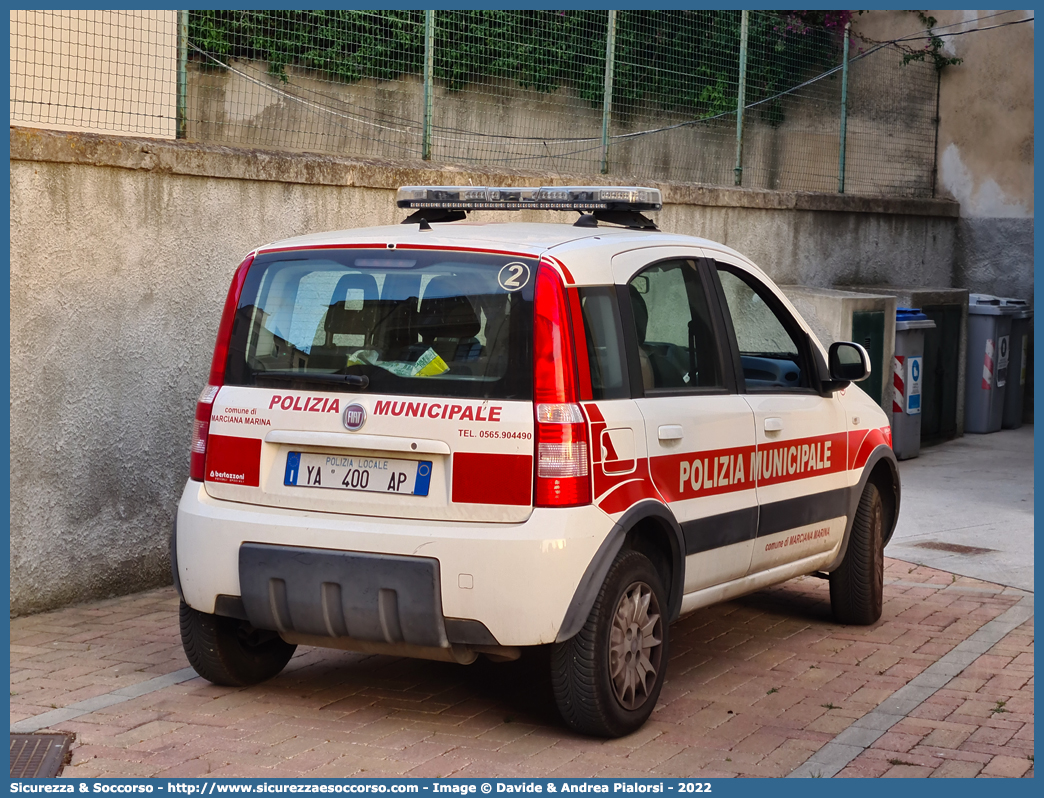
594,413
236,461
628,492
886,433
692,475
492,478
855,440
383,245
873,439
560,266
802,458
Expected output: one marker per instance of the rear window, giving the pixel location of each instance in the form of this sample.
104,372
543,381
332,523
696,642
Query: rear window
410,322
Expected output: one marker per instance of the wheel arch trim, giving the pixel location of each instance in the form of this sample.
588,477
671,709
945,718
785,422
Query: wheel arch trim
173,543
594,576
879,453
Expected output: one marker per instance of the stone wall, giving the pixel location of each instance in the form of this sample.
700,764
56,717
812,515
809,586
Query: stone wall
121,253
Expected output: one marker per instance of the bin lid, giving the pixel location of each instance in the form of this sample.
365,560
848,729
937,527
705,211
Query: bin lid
912,319
909,314
988,305
1021,308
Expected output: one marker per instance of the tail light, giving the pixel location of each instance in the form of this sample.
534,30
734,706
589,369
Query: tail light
201,424
562,473
200,430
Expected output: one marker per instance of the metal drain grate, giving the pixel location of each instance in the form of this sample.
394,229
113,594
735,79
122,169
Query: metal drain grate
39,756
956,548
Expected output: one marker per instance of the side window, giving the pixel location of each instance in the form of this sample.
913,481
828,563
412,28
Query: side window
676,344
605,346
771,355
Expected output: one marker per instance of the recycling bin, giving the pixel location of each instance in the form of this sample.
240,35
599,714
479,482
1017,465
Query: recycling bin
1015,390
907,381
989,354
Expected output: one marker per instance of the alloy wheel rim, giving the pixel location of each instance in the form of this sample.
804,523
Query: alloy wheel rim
635,645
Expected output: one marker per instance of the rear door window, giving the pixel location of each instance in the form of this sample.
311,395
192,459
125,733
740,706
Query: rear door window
409,322
605,343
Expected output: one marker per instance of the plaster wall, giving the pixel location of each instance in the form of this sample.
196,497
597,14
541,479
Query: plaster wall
100,71
121,254
985,148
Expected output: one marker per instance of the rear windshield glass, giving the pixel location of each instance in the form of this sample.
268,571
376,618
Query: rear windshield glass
412,322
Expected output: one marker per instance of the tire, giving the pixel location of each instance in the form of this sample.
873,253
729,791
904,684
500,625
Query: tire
857,585
231,652
589,698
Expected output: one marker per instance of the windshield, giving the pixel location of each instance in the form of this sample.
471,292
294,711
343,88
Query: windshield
414,322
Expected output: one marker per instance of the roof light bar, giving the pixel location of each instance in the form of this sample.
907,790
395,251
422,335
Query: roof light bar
556,198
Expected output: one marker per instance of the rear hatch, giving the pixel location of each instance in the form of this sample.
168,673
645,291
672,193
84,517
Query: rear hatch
380,382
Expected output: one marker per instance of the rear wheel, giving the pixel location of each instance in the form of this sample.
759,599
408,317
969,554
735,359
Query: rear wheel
857,585
229,651
607,677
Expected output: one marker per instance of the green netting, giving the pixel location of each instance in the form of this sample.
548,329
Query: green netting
529,90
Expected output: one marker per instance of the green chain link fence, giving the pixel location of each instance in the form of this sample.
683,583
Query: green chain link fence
758,99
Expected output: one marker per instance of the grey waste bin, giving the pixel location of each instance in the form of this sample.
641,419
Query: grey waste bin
989,353
1015,390
907,375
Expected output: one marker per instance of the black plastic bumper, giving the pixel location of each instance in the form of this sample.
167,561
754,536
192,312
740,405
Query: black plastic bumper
374,597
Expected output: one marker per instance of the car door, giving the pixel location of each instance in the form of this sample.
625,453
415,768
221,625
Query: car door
699,431
801,459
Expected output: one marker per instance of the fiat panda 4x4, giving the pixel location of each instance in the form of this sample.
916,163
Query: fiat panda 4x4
443,440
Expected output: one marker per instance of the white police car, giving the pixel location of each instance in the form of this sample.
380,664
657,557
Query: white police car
444,439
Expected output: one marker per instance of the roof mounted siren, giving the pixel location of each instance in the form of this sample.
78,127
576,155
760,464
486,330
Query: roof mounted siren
622,205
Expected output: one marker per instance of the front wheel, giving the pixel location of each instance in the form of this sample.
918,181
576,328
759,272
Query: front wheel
231,652
857,585
607,677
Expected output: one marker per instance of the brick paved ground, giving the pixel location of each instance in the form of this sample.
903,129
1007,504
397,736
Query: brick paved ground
755,687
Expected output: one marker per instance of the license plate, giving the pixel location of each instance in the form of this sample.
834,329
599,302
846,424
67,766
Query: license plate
351,472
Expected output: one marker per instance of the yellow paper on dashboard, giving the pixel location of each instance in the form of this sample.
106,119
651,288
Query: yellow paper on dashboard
430,365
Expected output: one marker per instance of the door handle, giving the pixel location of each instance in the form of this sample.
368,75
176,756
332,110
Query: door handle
670,432
773,425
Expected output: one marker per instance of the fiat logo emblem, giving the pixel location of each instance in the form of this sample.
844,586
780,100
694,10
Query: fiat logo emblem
354,417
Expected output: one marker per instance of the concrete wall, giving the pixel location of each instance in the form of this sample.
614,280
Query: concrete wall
985,150
121,253
99,71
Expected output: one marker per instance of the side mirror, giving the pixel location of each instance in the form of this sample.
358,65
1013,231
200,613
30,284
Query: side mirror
848,362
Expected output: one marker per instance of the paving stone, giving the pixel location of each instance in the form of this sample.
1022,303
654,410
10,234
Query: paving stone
742,696
1007,767
955,769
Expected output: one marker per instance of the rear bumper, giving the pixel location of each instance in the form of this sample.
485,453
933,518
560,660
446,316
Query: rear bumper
516,579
